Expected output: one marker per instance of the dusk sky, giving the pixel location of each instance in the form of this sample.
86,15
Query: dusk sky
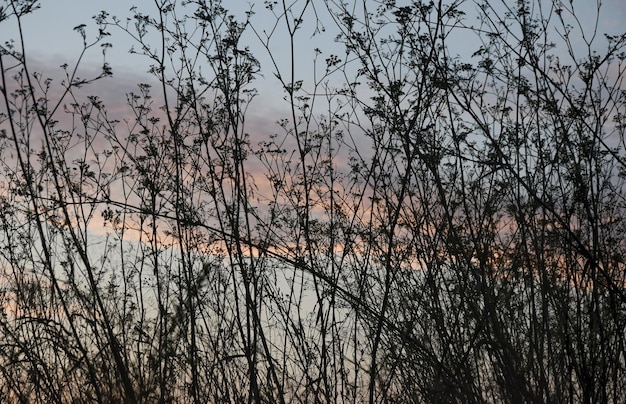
51,41
399,201
49,30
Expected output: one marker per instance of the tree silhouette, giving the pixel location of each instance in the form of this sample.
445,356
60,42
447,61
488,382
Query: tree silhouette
435,214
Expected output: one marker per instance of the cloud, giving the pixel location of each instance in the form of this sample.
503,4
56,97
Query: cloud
113,93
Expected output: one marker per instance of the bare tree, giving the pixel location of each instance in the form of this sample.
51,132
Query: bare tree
421,222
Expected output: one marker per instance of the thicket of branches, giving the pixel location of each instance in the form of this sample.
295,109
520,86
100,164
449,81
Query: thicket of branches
426,222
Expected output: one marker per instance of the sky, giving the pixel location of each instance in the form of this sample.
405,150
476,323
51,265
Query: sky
49,31
52,41
50,37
